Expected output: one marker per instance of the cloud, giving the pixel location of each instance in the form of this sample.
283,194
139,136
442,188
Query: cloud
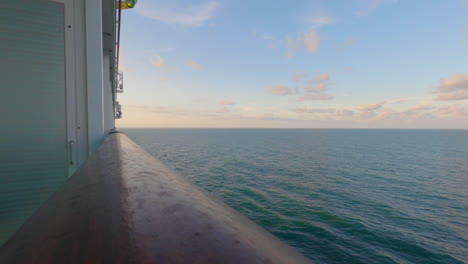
325,113
225,102
159,62
194,65
123,67
455,83
323,77
273,117
215,111
424,112
344,113
460,95
453,88
317,21
316,88
175,111
452,111
416,116
298,76
375,112
314,96
399,101
367,111
421,108
314,110
312,41
370,107
263,36
159,109
293,45
280,90
178,12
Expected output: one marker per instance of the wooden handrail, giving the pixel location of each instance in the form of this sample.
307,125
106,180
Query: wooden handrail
124,206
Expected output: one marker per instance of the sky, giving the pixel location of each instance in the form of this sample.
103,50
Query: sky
295,64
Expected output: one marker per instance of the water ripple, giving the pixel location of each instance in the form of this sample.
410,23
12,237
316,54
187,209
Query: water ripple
338,196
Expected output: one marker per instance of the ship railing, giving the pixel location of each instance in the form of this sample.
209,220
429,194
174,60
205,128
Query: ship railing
124,206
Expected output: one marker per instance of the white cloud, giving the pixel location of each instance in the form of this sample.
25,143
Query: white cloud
455,83
416,116
326,113
311,81
159,109
314,96
398,101
367,111
185,13
123,67
344,113
293,45
280,90
375,112
273,117
316,88
317,21
460,95
312,41
227,102
370,107
314,110
194,65
421,108
157,61
298,76
323,77
453,88
452,111
264,36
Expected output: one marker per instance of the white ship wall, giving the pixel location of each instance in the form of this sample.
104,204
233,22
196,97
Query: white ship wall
56,102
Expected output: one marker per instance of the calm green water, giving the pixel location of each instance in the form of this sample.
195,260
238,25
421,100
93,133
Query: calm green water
338,196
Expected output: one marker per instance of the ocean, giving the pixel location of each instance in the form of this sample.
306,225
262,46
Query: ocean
336,195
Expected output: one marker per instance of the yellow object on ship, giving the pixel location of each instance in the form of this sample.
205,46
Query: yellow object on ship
126,4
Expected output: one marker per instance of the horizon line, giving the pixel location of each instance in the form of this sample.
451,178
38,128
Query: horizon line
292,128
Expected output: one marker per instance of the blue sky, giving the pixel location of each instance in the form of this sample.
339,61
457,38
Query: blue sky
288,64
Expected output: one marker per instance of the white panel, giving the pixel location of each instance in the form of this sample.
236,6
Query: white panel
80,81
94,73
33,124
108,106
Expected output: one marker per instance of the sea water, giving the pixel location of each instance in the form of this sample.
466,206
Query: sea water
336,195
